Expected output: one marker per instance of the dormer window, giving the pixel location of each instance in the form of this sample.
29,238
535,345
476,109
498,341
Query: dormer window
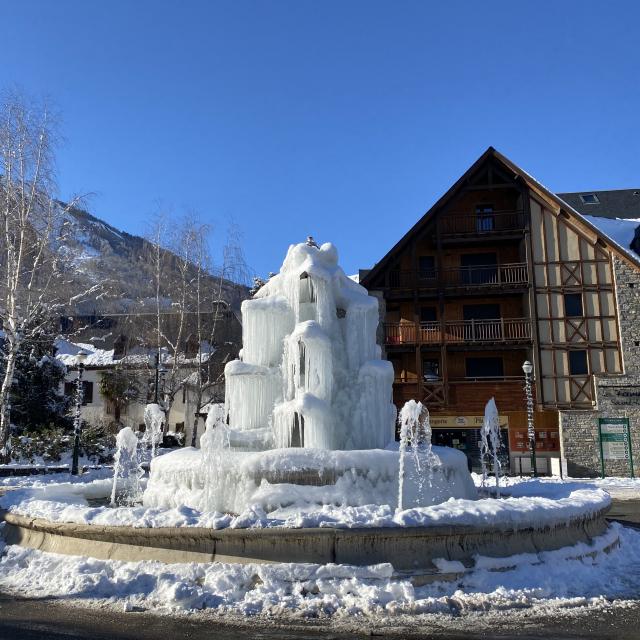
589,198
192,346
120,345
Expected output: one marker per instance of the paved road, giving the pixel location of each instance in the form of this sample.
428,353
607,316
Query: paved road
34,619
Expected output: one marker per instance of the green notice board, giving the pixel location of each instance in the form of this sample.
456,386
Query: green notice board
615,441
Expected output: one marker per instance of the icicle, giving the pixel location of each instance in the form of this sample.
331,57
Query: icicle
251,393
265,323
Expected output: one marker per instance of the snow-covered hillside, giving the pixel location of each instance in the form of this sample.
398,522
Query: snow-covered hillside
99,253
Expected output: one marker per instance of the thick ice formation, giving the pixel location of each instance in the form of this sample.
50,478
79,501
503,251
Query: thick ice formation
308,416
311,369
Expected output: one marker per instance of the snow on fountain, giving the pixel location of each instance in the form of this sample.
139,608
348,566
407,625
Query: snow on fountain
308,415
127,471
490,443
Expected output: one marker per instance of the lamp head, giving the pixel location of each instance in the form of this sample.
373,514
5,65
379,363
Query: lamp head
527,367
81,356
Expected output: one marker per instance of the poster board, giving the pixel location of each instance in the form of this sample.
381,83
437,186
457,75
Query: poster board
615,442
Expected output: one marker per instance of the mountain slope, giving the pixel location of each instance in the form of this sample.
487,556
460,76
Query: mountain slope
97,252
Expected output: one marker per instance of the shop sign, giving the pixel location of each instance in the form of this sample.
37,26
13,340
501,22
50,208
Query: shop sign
463,422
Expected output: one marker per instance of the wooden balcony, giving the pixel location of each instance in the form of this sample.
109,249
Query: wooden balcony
498,276
500,330
452,225
463,395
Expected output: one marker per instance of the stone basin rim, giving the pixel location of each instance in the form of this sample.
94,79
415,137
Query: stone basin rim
77,529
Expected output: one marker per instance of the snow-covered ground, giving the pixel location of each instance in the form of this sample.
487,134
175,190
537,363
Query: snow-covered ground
617,487
42,480
557,582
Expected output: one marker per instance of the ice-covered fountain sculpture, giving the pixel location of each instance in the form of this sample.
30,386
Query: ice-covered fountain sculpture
308,416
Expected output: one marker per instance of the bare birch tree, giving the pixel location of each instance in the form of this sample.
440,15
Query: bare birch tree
31,220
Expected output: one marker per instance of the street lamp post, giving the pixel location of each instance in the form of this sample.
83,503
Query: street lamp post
160,371
81,356
527,367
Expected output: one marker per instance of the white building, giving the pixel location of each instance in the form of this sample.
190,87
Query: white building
99,410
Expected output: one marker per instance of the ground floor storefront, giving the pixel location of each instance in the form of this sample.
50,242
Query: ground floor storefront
463,432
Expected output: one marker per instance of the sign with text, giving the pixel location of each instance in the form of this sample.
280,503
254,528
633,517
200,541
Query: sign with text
615,441
462,422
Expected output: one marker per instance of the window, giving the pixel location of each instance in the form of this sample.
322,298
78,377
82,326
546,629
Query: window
589,198
120,345
578,363
87,391
192,346
573,305
427,267
484,217
430,369
479,268
428,314
484,367
481,311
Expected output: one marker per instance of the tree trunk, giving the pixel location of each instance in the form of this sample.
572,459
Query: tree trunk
5,415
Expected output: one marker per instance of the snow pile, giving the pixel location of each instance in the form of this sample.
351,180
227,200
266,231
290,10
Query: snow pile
294,506
558,581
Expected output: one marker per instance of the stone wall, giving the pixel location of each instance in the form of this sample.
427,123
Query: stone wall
616,396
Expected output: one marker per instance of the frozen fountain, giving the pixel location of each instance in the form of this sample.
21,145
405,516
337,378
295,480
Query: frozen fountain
309,417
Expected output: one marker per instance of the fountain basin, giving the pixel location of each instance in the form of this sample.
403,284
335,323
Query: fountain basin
406,548
300,477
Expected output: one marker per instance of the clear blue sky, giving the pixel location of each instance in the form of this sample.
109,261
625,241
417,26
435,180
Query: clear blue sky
344,120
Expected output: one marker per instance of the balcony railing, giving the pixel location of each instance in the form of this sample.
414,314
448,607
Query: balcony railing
498,330
458,332
497,275
481,224
467,393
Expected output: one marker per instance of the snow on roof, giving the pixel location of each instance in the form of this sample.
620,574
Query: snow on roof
67,353
619,230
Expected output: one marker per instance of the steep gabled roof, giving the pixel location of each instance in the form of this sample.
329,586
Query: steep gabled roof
518,173
616,203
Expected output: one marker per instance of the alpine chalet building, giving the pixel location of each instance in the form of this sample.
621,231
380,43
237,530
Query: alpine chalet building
500,271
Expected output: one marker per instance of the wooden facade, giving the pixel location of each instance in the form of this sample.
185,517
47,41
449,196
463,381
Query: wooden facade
500,271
